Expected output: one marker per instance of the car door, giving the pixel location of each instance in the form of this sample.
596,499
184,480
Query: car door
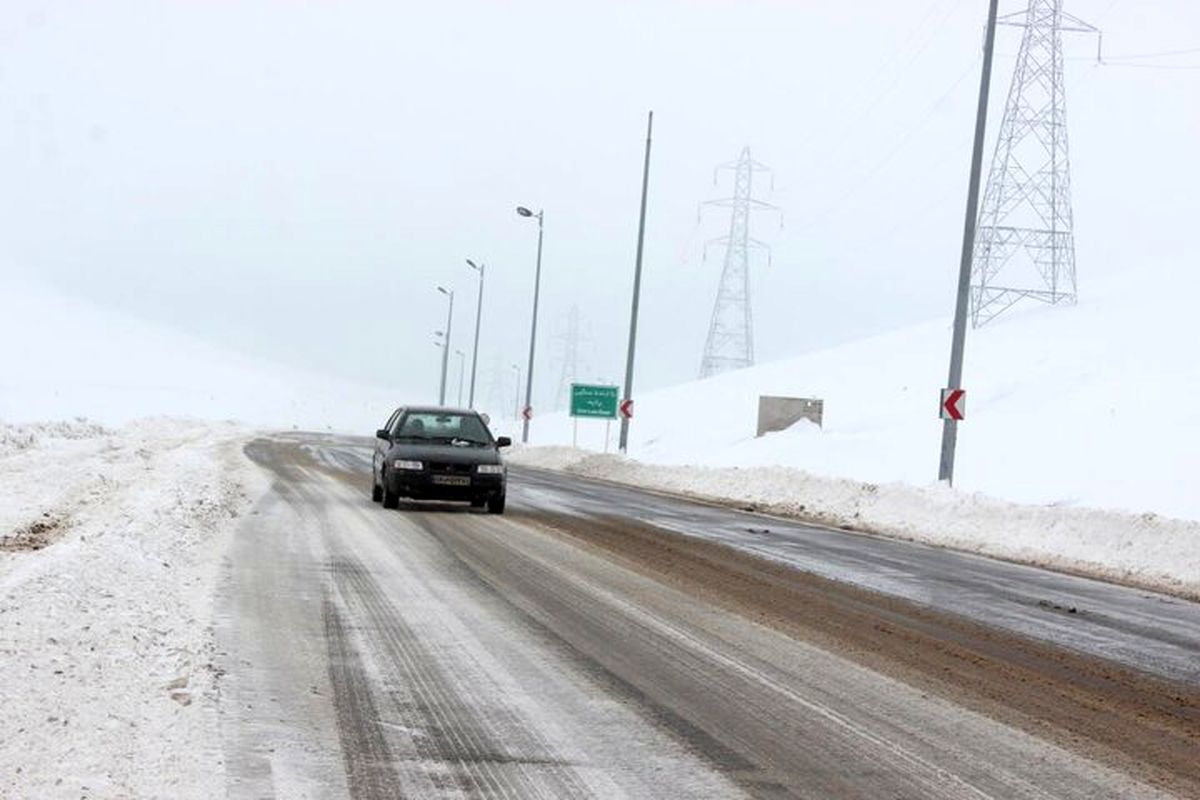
381,446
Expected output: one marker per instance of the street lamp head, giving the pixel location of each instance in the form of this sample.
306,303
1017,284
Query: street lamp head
473,265
524,212
442,290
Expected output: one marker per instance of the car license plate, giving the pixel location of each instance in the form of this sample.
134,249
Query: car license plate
452,480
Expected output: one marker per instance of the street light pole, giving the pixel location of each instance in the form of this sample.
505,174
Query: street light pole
446,344
958,341
462,369
478,317
438,343
537,283
517,395
637,287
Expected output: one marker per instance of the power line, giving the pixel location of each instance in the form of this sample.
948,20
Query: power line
1161,67
829,207
1163,54
840,136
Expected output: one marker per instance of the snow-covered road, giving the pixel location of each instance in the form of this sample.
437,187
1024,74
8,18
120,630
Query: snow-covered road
188,610
439,652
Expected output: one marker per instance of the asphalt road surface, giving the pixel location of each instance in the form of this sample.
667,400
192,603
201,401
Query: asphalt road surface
597,641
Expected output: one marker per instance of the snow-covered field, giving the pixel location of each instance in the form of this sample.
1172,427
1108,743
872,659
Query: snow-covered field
110,542
61,357
1092,406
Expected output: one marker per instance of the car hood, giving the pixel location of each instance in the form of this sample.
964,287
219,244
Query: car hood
444,453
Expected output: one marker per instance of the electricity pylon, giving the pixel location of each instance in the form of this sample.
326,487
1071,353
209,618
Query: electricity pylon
498,392
1025,240
730,343
570,359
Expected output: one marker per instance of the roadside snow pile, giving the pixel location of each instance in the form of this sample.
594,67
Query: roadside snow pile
22,437
109,550
1142,549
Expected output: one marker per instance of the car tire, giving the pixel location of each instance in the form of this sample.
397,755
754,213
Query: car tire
390,499
478,502
496,504
376,490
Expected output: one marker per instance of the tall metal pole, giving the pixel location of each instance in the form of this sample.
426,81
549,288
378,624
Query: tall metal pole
537,283
462,370
446,345
478,318
637,285
958,342
517,395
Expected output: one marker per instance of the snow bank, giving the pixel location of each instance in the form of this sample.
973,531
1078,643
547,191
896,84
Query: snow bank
22,437
1140,549
110,542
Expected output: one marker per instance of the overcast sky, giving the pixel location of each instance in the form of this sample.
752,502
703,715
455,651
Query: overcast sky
294,179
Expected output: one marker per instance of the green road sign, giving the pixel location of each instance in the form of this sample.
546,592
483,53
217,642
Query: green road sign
594,402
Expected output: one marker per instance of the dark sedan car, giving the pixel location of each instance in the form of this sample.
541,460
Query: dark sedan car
432,453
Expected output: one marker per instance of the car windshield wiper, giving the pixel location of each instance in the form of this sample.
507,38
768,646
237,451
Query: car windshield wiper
460,441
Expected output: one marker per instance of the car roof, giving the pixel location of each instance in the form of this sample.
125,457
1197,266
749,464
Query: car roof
438,410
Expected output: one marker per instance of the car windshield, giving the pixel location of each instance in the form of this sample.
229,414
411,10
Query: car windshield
465,429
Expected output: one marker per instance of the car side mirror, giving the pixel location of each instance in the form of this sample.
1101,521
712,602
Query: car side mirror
504,441
382,433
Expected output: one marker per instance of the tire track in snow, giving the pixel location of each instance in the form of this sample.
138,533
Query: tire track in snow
463,739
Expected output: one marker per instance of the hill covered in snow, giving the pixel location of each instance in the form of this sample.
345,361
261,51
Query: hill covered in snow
61,357
1092,405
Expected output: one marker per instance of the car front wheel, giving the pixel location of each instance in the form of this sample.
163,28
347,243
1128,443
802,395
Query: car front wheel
496,504
390,499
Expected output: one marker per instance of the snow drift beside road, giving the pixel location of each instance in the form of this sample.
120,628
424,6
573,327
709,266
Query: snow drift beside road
1144,550
110,543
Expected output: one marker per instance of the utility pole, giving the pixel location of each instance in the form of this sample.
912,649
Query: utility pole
462,370
527,411
517,394
958,341
637,286
446,344
478,317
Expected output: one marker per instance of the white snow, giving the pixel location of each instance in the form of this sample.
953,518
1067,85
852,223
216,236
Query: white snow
1087,406
1080,447
1141,549
105,640
61,357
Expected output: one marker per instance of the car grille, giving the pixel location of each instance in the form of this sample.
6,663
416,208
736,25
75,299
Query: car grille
450,469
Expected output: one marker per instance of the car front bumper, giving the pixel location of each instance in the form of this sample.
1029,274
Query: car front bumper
422,485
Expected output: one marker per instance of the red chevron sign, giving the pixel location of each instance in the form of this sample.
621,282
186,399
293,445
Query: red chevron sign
953,404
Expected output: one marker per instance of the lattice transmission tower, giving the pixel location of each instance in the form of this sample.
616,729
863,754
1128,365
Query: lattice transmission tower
1025,239
570,359
730,342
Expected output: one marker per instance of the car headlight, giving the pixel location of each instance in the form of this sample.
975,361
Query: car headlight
491,469
417,465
